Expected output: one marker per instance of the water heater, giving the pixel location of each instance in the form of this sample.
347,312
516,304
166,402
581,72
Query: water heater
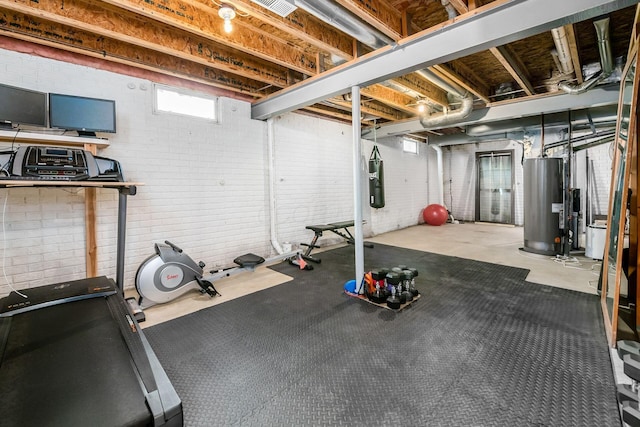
542,205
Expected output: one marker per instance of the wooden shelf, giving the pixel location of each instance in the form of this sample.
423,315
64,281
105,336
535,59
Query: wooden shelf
47,138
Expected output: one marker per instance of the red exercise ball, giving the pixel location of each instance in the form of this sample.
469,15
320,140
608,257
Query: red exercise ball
435,214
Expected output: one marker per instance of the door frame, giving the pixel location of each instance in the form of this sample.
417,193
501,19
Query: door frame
513,176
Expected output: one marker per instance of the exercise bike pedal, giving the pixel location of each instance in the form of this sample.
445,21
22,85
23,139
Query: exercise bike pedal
207,287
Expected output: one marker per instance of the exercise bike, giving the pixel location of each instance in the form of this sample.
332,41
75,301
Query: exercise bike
170,273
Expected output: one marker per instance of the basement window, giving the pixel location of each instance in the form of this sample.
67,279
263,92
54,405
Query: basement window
410,146
182,102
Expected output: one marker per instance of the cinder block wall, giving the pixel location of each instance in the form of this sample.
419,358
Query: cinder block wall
206,185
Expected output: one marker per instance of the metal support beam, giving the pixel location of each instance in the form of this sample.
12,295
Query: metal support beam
490,26
357,188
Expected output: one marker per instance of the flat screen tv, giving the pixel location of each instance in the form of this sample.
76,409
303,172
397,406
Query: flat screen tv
20,106
85,115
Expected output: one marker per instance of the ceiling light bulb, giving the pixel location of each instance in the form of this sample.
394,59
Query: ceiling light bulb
421,107
227,25
227,12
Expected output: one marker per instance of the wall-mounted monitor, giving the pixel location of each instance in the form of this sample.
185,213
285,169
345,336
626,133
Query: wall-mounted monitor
20,106
85,115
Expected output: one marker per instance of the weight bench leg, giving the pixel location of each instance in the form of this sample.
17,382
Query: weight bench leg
307,254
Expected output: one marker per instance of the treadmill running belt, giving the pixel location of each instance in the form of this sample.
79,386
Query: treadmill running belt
57,356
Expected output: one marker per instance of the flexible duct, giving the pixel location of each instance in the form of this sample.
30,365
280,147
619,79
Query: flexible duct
441,83
606,61
436,121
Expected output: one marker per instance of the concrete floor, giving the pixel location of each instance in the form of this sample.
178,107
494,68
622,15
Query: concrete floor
483,242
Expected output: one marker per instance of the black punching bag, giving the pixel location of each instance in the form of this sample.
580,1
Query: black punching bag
376,180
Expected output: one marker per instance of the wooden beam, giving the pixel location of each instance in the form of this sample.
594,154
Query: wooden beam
372,108
122,53
460,6
391,98
91,241
346,117
575,54
300,25
466,79
424,87
513,66
66,31
377,13
173,18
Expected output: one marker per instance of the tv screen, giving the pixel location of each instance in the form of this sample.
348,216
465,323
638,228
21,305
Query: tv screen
22,107
86,115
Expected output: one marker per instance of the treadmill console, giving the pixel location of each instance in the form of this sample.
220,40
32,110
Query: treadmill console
58,164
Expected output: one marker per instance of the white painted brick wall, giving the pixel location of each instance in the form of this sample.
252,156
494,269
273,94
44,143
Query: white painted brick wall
406,186
205,186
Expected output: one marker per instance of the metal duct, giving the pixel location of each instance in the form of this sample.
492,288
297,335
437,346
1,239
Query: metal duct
437,121
562,50
338,17
606,60
442,84
600,116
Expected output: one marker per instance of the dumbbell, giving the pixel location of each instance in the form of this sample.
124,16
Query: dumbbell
393,280
378,296
407,276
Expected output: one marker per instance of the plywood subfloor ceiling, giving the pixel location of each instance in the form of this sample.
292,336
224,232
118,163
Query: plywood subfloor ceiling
183,42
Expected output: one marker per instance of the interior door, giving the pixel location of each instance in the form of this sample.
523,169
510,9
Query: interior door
494,189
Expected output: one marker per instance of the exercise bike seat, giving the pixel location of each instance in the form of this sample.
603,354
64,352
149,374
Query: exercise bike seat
248,260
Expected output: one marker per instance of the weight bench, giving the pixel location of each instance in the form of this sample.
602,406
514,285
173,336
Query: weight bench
339,228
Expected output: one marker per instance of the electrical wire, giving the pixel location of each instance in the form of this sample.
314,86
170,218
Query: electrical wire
4,248
574,263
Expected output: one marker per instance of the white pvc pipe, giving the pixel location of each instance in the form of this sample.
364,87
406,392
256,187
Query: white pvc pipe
272,188
440,174
357,188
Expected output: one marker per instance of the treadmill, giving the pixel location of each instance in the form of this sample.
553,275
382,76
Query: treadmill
72,354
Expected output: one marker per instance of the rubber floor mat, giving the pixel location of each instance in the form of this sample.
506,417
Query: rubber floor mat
481,347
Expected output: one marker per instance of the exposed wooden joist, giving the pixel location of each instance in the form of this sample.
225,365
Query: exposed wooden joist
573,49
501,21
302,26
28,28
465,78
80,26
378,14
97,62
204,22
373,109
427,89
390,97
460,6
328,112
512,65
